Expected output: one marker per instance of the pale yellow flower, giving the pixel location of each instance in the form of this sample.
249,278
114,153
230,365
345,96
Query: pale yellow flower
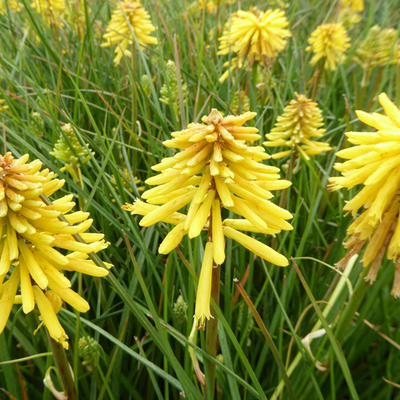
212,5
13,5
379,48
254,36
32,235
374,163
300,123
52,11
216,169
329,43
128,19
356,5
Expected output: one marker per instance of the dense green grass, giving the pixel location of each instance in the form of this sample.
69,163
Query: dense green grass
144,345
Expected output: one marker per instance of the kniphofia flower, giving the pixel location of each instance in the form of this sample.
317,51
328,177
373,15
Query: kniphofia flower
13,5
356,5
379,48
300,123
329,43
37,244
127,19
374,163
253,36
51,10
217,168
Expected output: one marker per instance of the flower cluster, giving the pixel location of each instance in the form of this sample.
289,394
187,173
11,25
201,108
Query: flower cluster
380,47
253,36
129,21
69,150
216,169
329,43
3,106
374,163
38,242
300,122
13,5
51,10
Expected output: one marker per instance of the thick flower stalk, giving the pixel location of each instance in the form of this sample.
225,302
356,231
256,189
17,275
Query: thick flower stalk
300,123
379,48
37,244
217,168
129,21
52,11
329,43
253,36
374,163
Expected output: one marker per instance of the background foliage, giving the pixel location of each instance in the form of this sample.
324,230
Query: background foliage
51,75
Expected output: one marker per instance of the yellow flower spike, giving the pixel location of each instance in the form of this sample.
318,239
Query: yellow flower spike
203,297
31,264
379,48
300,123
374,162
253,36
228,175
329,42
128,17
52,11
13,5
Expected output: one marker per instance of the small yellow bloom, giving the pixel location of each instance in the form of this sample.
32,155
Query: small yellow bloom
254,36
212,5
32,236
300,122
52,11
128,19
356,5
374,163
379,48
13,5
329,42
217,168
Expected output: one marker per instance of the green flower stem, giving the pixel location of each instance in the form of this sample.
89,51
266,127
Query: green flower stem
64,369
212,332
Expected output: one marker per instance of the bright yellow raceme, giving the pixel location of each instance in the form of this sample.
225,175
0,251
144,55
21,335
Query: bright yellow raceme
300,122
13,5
254,36
374,163
128,17
36,246
329,43
216,169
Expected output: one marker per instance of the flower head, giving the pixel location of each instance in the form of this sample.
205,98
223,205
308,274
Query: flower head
216,169
129,17
356,5
254,36
380,47
37,243
300,122
329,42
69,150
374,163
212,5
51,10
13,5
